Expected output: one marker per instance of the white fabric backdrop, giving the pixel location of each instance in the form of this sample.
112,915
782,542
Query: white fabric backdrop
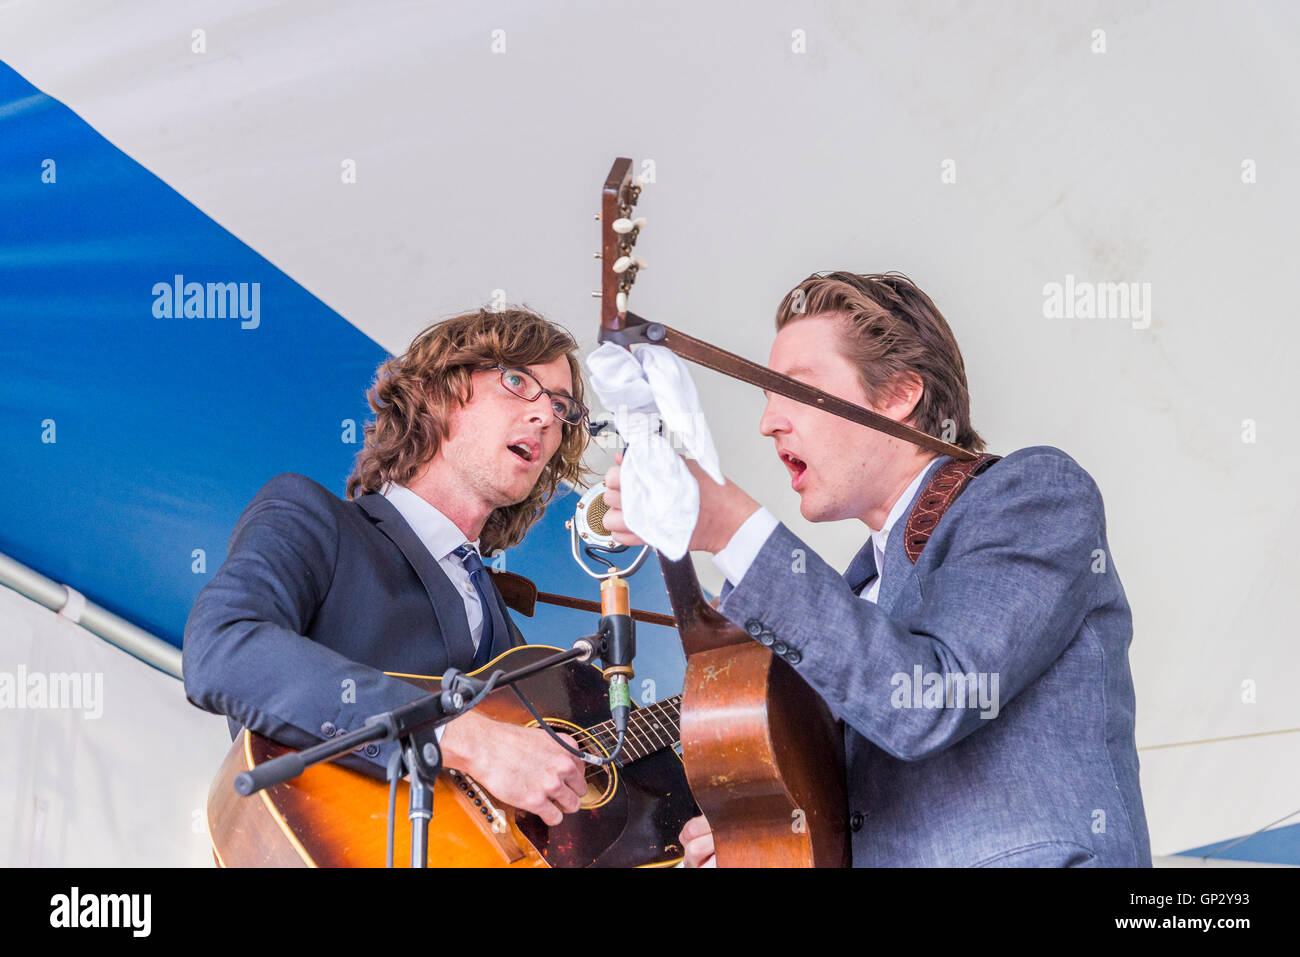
478,171
128,788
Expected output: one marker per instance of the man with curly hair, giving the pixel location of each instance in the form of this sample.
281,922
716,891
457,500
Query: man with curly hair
475,427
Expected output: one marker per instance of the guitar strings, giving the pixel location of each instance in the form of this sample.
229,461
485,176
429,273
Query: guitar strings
595,733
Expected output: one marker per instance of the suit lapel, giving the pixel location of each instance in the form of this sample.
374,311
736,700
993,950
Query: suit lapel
514,637
898,567
448,607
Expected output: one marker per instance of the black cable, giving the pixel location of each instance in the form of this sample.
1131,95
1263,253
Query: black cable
601,558
394,775
585,756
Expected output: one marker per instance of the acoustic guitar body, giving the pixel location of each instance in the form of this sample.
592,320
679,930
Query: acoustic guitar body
331,816
766,759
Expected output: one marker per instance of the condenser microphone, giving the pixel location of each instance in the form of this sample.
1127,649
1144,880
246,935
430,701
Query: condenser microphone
589,520
616,638
617,647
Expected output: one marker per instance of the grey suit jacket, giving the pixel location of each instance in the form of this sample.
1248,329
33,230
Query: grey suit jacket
1027,758
316,599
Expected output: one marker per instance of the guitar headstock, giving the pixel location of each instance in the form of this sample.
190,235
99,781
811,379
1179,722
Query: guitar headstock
619,229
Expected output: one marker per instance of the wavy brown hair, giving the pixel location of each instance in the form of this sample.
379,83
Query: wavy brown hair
413,395
893,328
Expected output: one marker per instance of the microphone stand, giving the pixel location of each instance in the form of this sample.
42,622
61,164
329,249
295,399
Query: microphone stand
412,725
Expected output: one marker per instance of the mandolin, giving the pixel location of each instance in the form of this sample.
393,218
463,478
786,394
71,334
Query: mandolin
331,816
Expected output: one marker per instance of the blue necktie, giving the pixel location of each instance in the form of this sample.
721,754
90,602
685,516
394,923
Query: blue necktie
493,623
863,568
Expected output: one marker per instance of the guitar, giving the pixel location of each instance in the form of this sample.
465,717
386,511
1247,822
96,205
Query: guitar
764,755
331,816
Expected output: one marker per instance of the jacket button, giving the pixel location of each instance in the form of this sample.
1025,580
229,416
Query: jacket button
754,627
855,820
766,638
372,750
794,657
780,647
328,729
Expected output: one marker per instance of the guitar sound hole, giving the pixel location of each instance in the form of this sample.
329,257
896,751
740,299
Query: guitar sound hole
597,788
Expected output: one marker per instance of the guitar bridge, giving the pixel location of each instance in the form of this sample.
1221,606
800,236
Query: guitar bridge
491,819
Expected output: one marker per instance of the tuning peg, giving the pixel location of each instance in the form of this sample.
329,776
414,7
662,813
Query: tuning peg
598,255
622,263
598,217
620,302
639,181
638,262
625,225
596,294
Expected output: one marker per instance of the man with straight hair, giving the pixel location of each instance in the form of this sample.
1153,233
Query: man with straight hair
982,675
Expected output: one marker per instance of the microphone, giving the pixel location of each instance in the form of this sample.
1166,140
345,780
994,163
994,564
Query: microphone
589,521
616,636
618,647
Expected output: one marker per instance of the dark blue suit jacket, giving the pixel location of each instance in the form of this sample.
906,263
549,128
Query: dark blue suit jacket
315,600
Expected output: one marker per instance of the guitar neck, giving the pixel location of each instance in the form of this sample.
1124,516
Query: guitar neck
649,729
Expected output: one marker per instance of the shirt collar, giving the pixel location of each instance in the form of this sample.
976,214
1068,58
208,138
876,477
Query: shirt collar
438,533
881,536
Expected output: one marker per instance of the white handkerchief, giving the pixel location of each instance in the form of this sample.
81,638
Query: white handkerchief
661,500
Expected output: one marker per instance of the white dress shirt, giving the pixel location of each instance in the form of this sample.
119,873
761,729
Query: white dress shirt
734,560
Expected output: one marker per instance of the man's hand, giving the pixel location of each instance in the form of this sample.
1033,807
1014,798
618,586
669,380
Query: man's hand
723,509
697,841
522,767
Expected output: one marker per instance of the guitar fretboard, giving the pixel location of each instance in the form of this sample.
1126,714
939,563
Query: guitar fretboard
649,729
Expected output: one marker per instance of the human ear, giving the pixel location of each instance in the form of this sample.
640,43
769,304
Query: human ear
905,395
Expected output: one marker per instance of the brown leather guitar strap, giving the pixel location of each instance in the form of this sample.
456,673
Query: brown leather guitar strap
948,481
941,491
521,595
637,330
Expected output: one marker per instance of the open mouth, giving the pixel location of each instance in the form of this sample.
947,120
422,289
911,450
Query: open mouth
525,450
797,466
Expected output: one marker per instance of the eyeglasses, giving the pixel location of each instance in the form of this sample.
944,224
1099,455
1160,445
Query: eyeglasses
566,408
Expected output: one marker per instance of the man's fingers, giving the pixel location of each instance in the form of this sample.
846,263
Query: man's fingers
549,813
614,523
695,827
697,842
699,850
565,799
574,775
